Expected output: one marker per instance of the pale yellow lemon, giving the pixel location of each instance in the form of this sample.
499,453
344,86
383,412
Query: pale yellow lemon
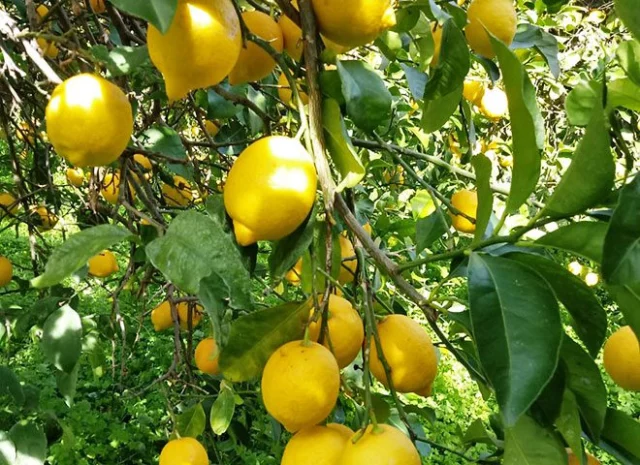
498,17
465,201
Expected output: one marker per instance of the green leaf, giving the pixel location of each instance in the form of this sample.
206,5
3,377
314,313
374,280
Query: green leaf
7,449
623,93
219,107
287,251
517,329
482,167
430,229
30,442
629,13
254,337
76,251
66,383
435,113
568,423
477,434
165,140
628,54
623,431
62,338
367,97
528,443
122,60
529,36
581,100
222,410
628,299
527,126
584,380
342,152
416,80
192,422
157,12
588,318
10,384
196,246
585,238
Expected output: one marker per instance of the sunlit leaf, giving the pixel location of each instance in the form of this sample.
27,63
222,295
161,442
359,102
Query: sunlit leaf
585,238
192,422
528,443
157,12
62,338
629,13
222,410
30,443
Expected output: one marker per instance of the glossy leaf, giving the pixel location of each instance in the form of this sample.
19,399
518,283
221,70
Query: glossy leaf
628,54
435,113
10,384
254,337
453,63
62,338
7,449
76,251
585,238
482,167
529,36
629,13
157,12
624,93
517,329
30,443
623,431
430,229
528,443
287,251
165,140
568,423
222,410
122,60
192,422
220,108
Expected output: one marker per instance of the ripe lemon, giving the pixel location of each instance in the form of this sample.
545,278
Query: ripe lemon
345,330
98,6
42,11
316,445
45,220
200,48
367,227
144,164
89,120
409,352
48,49
206,356
294,275
292,36
300,384
622,358
349,263
355,22
161,316
75,176
254,62
270,189
497,16
286,94
494,104
473,91
184,451
337,49
382,445
342,429
466,202
103,265
6,271
574,460
178,195
211,128
110,188
436,34
8,203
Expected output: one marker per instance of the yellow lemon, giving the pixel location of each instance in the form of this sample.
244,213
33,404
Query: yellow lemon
161,316
494,103
75,176
206,356
316,445
292,36
45,219
42,11
466,202
48,49
98,6
368,229
497,16
349,263
382,445
6,271
211,128
473,91
270,189
144,164
200,48
103,265
436,34
183,315
294,275
342,429
345,328
285,93
574,460
184,451
622,358
110,188
336,48
300,384
254,62
8,203
89,120
178,195
355,22
409,352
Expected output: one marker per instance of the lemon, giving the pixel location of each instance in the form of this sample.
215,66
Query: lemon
270,189
200,48
211,128
342,429
368,229
285,93
498,17
300,384
48,49
254,62
98,6
316,445
466,202
574,460
337,49
494,103
436,34
382,445
349,263
75,176
355,22
8,203
44,218
6,271
103,265
89,120
473,91
161,316
42,11
110,188
409,352
184,451
292,36
622,358
178,195
206,356
143,163
345,328
294,275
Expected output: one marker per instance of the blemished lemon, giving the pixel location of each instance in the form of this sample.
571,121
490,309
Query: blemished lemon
498,17
75,176
292,36
622,358
436,34
103,265
353,23
8,203
98,6
286,94
316,445
270,189
494,103
465,201
345,328
162,320
206,356
178,195
200,48
44,219
294,275
382,445
89,120
349,262
409,352
254,62
184,451
6,271
300,384
473,91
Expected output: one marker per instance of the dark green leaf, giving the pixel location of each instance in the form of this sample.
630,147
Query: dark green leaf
256,336
416,79
585,238
529,36
517,329
30,442
568,423
157,12
623,431
628,299
331,86
550,401
222,410
437,112
623,93
528,443
581,101
220,108
213,294
76,251
66,383
122,60
477,433
7,449
406,18
482,167
430,229
165,140
192,422
629,13
10,384
287,251
62,338
628,54
453,63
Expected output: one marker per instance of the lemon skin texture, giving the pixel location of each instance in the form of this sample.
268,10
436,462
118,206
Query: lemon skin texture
89,120
498,17
184,451
316,445
385,445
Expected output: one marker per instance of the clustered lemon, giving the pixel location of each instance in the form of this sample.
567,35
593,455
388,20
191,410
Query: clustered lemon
43,218
622,358
162,320
285,93
103,265
494,103
8,203
75,176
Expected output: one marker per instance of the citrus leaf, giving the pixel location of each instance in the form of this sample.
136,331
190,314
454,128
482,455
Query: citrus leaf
157,12
30,442
219,107
568,423
76,251
528,443
482,167
623,93
287,251
529,36
437,112
453,63
581,100
623,431
527,126
66,383
628,299
165,140
430,229
585,238
62,338
478,434
7,449
10,384
416,80
191,423
517,329
122,60
629,13
222,410
254,337
628,54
